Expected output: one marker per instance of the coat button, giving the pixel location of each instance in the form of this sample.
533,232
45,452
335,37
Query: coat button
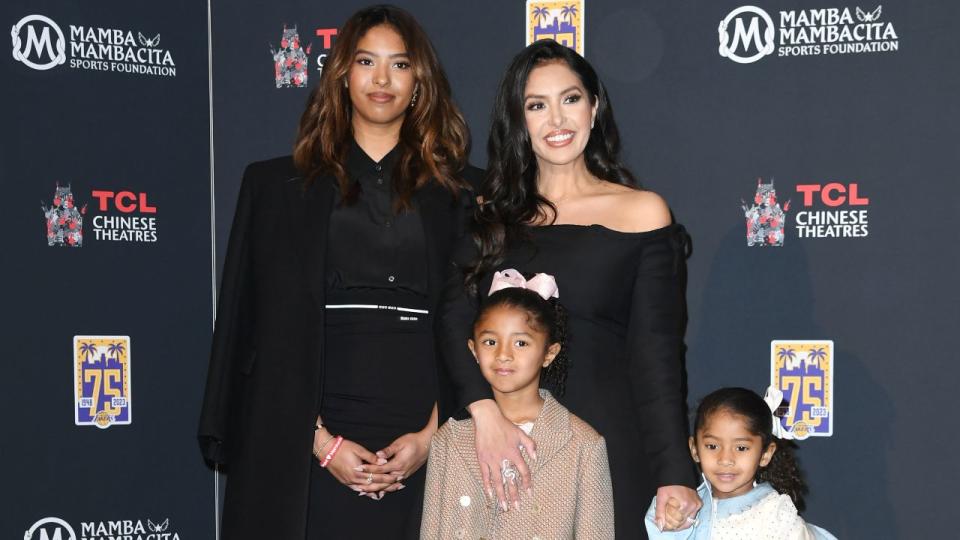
379,167
465,501
380,181
391,279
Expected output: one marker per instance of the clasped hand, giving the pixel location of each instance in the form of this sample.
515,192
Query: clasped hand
375,474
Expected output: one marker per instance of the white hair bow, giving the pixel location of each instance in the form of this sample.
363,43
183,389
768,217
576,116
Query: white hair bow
773,398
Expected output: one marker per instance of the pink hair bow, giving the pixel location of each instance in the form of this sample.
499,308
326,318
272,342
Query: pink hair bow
543,284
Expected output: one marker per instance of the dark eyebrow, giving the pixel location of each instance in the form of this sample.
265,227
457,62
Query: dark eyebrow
538,96
394,55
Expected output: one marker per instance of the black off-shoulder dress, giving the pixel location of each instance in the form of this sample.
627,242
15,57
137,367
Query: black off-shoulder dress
625,298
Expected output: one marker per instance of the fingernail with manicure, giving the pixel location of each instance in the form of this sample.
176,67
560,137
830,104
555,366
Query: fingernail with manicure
381,461
503,505
358,468
401,487
516,505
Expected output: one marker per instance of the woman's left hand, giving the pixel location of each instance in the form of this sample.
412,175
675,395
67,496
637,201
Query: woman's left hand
404,456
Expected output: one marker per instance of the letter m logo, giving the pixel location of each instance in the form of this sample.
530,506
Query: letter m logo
743,36
41,43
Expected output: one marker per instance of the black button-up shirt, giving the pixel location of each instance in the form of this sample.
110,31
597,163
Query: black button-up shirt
372,249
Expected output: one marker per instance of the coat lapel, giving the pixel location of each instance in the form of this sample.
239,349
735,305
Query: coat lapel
551,433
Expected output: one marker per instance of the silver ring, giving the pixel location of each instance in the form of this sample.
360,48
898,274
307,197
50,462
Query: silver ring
508,471
692,520
369,478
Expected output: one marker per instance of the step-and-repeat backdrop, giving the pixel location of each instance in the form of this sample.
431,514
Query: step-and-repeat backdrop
809,147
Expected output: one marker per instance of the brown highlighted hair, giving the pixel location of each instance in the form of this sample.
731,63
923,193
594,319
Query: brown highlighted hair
433,136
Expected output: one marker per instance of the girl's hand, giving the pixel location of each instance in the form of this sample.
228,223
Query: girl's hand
673,517
405,455
498,439
681,499
400,460
347,467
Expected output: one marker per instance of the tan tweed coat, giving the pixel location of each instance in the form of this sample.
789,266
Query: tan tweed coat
572,496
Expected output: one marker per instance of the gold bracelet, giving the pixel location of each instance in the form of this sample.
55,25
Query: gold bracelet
319,452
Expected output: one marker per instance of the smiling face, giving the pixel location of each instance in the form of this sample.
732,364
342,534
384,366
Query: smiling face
511,350
558,114
381,81
729,454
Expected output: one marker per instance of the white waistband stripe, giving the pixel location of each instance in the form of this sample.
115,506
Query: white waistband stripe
375,306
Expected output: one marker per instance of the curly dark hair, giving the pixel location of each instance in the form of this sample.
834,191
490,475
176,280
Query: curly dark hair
548,316
783,472
509,192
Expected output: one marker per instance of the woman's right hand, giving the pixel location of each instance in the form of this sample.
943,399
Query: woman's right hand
498,439
347,467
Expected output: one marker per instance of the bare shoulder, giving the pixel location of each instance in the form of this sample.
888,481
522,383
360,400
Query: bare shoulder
634,210
644,210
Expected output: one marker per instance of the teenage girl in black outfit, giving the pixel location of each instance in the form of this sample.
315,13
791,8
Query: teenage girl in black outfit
323,386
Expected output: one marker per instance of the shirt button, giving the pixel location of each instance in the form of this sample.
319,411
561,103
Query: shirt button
391,279
465,501
379,167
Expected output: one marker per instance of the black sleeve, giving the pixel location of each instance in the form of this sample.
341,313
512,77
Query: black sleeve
656,351
231,349
456,313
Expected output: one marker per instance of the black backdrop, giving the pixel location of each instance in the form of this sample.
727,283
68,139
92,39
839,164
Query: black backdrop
698,128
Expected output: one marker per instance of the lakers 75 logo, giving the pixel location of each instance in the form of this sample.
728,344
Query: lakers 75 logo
101,380
803,370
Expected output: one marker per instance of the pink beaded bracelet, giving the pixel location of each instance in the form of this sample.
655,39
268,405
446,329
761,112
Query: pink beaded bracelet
332,452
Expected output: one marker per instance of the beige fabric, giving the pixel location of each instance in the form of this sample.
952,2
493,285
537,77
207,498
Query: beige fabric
572,495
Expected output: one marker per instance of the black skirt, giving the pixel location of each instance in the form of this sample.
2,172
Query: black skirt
379,383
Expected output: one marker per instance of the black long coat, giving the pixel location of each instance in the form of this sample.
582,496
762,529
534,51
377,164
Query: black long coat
267,360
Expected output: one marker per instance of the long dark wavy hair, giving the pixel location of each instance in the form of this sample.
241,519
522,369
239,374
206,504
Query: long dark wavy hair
783,471
509,196
433,137
547,316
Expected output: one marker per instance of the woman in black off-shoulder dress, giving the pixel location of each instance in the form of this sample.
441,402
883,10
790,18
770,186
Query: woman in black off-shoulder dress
556,200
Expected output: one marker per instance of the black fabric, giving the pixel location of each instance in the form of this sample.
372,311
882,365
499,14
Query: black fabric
373,360
371,246
268,347
625,298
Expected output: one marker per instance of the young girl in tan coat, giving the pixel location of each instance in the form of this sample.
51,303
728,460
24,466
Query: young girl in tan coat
518,340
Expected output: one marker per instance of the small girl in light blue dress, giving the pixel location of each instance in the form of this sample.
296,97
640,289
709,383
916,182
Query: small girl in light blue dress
752,485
